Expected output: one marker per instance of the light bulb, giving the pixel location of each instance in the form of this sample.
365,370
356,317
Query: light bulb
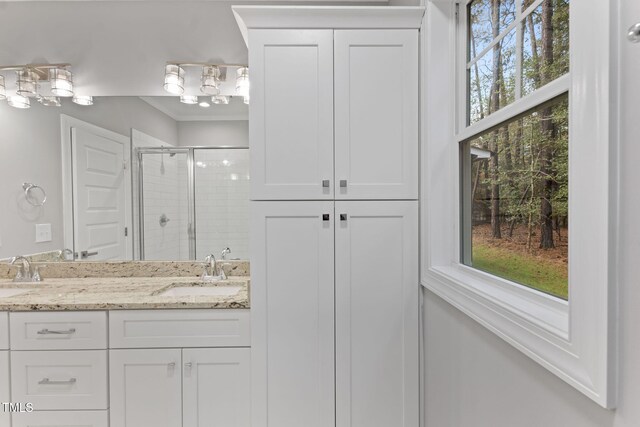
19,101
174,79
83,100
49,101
204,104
220,99
210,80
188,99
61,82
242,81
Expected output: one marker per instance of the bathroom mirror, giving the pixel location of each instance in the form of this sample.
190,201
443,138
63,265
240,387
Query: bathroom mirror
125,178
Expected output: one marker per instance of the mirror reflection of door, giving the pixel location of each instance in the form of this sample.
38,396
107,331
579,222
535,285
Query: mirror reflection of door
101,188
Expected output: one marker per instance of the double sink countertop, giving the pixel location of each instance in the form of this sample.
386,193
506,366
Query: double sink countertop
126,285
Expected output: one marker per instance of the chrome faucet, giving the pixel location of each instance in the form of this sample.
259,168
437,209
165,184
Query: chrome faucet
225,251
63,254
27,273
212,271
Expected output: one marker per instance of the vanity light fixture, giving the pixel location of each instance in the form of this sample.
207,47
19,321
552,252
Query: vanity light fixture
27,83
83,100
188,99
49,101
174,79
246,99
220,99
19,101
210,80
3,89
242,82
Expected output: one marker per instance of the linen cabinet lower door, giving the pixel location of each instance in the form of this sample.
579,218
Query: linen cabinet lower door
146,388
377,305
216,387
292,314
5,417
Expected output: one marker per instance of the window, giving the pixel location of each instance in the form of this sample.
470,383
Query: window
519,177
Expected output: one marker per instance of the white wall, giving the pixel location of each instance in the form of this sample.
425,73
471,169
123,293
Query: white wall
30,151
229,133
475,379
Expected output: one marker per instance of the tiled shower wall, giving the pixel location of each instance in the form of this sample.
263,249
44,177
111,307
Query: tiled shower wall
222,202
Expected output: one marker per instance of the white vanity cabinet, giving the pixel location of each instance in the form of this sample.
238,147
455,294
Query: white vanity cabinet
301,80
168,385
5,417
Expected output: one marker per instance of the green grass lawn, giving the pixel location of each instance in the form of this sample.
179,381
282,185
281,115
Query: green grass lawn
528,270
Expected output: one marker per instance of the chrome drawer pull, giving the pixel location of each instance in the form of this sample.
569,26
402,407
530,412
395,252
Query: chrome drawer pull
47,381
48,332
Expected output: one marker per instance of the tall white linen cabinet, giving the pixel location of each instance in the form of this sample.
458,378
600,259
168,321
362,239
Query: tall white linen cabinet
334,230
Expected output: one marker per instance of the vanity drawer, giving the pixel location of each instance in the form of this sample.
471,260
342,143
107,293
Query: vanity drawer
61,419
79,330
179,328
4,330
60,380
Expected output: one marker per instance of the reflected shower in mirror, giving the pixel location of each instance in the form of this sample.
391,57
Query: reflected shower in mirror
126,178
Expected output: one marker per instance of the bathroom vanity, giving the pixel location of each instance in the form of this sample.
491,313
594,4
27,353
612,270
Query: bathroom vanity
126,351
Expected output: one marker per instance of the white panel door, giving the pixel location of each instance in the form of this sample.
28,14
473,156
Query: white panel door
100,195
377,303
292,314
216,387
376,114
145,388
5,417
291,126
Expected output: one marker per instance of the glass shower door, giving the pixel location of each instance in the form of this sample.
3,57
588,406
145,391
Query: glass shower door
166,228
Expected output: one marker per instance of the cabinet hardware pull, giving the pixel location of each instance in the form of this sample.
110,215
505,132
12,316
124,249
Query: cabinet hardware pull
188,365
326,217
325,183
343,217
48,332
47,381
634,33
343,183
172,365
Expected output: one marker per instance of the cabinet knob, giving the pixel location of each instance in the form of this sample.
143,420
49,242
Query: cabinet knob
343,217
326,183
188,365
326,217
343,183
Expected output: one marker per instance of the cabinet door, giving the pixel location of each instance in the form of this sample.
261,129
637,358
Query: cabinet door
292,314
291,126
377,303
5,417
216,387
376,114
146,389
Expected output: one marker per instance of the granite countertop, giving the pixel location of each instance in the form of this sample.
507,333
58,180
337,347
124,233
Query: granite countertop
120,293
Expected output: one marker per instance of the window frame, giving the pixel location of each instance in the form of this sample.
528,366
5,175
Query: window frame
576,339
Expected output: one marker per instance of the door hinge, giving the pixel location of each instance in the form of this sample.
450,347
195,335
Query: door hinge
126,231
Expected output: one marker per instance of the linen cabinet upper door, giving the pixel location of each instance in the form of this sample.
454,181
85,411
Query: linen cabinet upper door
291,126
376,114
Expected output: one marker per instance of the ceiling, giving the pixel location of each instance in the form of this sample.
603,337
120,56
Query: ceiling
172,107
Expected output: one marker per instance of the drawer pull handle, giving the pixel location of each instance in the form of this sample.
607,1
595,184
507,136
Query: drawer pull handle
49,332
47,381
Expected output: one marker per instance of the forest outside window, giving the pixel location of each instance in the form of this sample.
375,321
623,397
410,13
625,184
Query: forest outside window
514,174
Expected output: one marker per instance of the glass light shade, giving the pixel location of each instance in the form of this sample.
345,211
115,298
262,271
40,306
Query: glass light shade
242,81
83,100
49,101
246,100
188,99
220,99
210,80
61,82
204,104
19,101
3,89
174,79
27,83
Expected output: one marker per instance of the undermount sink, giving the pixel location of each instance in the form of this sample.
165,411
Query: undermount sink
196,291
12,292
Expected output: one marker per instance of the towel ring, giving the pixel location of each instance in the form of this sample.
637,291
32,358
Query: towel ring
35,195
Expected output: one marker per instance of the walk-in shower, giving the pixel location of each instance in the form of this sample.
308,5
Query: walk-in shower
191,202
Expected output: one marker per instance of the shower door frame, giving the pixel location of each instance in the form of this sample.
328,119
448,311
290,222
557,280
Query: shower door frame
191,190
